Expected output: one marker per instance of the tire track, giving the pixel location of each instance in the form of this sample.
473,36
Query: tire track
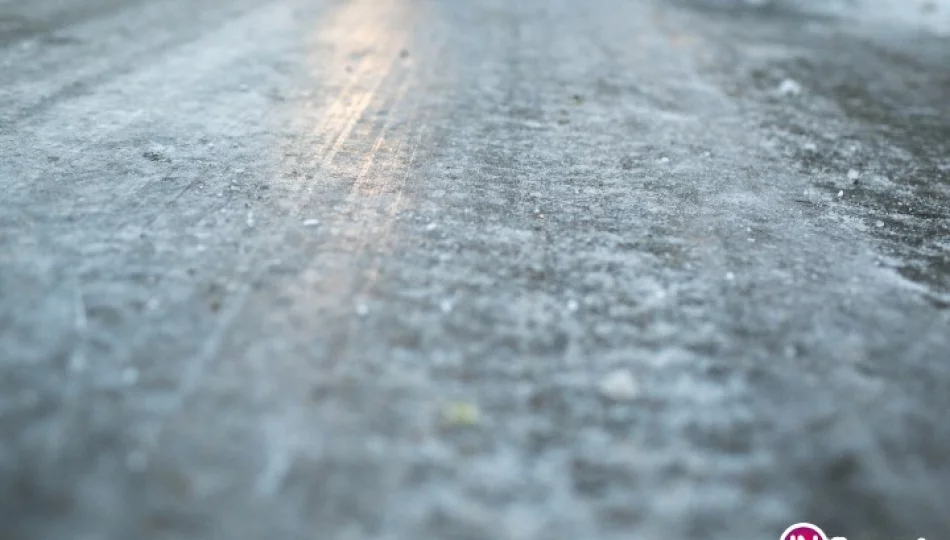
16,26
22,106
338,123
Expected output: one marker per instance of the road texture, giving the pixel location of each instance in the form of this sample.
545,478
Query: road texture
403,269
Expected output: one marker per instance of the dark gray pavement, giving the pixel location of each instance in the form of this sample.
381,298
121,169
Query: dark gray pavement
406,269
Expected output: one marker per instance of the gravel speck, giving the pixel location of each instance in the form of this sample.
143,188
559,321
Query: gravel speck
461,414
136,461
152,155
130,376
619,386
790,88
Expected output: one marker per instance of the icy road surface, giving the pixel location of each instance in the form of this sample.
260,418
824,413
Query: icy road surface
433,269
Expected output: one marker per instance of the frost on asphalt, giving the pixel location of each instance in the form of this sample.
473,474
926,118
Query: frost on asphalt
476,270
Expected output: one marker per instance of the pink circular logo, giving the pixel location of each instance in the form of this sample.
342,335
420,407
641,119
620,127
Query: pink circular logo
803,531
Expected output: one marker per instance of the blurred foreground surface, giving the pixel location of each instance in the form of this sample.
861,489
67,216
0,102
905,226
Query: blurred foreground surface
474,270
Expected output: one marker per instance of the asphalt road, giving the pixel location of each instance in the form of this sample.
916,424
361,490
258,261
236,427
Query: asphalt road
406,269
